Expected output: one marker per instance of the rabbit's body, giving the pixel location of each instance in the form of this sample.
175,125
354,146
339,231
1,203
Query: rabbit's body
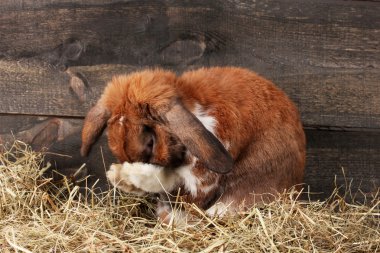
257,123
259,147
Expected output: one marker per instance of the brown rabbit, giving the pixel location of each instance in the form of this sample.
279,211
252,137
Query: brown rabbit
224,135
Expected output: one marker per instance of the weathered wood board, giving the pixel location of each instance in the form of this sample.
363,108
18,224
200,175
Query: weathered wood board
28,88
324,54
342,159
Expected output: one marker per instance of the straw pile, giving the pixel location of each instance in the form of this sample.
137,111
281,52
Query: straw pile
39,216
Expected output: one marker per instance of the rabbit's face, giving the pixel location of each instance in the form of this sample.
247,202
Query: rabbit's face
134,138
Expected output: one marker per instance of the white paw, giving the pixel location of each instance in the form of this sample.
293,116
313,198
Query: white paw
217,210
121,181
149,177
113,174
169,217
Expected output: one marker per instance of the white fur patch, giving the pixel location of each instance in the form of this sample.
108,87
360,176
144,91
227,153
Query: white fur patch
208,121
217,210
149,177
163,209
116,179
227,145
121,120
153,178
176,216
187,177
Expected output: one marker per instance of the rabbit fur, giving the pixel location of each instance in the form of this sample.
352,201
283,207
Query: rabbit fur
225,136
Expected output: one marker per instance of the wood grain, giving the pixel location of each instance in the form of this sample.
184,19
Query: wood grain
324,54
342,159
335,101
28,88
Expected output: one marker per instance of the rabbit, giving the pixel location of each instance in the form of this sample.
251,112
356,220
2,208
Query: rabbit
225,137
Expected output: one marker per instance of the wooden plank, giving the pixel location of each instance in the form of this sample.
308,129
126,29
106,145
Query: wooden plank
358,153
27,87
11,124
324,54
352,157
338,101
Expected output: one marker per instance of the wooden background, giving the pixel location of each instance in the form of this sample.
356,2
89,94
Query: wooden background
56,56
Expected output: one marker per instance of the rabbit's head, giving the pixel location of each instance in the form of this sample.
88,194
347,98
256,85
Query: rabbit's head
148,122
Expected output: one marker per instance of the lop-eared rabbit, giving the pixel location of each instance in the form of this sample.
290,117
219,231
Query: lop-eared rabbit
224,135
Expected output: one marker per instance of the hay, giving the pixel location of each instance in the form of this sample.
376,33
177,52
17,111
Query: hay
39,216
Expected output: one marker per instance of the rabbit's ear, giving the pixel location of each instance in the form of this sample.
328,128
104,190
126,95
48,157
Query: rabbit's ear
93,126
198,140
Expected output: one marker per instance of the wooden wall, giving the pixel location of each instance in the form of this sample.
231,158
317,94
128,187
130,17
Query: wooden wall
56,56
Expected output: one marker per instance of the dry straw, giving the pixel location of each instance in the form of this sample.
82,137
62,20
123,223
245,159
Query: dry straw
39,216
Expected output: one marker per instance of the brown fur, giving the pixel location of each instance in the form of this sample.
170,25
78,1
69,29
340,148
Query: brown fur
137,99
263,127
257,120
